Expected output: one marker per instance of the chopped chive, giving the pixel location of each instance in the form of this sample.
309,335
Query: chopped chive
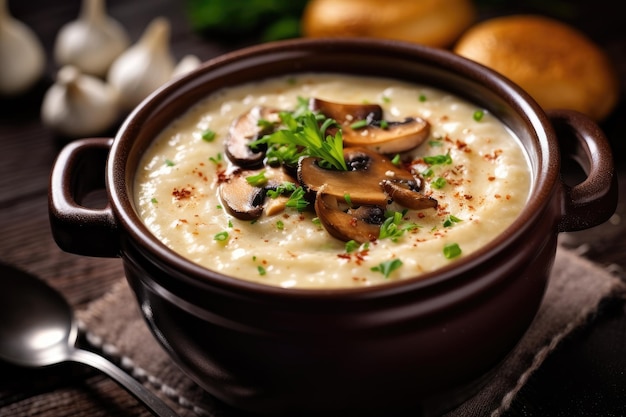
422,97
451,250
208,135
450,220
347,198
384,124
359,124
478,115
169,163
280,225
257,180
221,236
261,270
439,183
444,159
386,268
216,159
396,160
351,246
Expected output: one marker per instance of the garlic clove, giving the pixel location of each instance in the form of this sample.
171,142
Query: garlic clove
22,57
187,64
143,67
91,42
79,105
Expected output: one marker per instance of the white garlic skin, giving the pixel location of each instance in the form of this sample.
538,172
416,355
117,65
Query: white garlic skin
145,66
92,41
187,64
22,57
79,105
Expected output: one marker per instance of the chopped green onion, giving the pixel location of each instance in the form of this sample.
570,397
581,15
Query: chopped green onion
280,225
422,97
169,163
154,201
451,250
216,159
445,159
351,246
261,270
396,160
384,124
347,198
439,183
257,180
450,220
208,135
221,236
297,200
478,115
359,124
284,188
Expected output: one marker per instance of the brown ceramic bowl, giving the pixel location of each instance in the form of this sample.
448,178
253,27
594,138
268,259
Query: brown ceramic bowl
420,344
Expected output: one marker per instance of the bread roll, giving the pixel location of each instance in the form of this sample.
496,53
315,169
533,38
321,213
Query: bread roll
557,64
435,23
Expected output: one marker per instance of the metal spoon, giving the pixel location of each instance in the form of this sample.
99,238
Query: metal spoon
37,329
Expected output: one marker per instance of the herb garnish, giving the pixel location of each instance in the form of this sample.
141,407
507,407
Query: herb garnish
351,246
221,236
257,180
450,220
451,250
303,129
439,183
297,200
284,188
393,227
386,268
208,135
444,159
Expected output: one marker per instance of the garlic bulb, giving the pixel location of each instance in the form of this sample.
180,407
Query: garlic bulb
79,105
91,42
143,67
187,64
22,58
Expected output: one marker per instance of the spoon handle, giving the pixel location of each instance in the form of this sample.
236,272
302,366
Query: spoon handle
151,401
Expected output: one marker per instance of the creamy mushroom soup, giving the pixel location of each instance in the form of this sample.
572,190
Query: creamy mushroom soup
253,182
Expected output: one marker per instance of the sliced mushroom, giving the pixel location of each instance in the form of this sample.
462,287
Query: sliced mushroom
402,194
246,201
246,129
362,182
345,114
341,225
395,137
381,136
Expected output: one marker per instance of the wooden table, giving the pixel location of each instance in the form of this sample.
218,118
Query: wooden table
586,376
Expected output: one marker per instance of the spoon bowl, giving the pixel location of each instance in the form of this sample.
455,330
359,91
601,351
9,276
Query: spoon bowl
38,329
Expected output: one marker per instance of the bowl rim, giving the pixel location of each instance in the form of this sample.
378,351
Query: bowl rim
543,181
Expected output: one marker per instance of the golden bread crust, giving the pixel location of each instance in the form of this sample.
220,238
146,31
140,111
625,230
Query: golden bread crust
559,66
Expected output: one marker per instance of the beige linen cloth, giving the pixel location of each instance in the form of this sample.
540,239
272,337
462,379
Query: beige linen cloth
113,325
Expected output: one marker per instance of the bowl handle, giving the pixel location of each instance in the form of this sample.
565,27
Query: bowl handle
79,170
594,200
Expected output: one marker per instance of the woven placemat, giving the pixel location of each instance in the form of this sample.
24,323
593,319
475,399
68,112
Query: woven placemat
577,287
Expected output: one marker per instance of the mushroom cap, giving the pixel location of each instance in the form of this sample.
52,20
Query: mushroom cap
246,201
362,183
246,129
341,225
